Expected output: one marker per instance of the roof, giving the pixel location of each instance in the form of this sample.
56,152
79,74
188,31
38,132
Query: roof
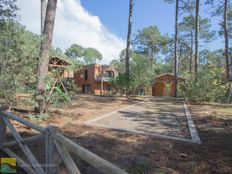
62,61
98,65
169,74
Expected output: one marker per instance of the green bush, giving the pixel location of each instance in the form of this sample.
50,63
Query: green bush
121,84
198,91
207,88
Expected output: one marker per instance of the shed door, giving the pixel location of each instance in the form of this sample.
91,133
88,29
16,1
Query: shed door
158,89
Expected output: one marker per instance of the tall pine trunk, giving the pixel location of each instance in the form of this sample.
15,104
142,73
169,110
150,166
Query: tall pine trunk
197,37
191,54
150,56
176,50
129,37
44,54
179,59
225,27
43,13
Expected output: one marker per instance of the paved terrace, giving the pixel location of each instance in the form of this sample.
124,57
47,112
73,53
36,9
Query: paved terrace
160,117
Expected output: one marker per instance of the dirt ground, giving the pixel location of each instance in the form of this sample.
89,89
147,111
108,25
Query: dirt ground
140,154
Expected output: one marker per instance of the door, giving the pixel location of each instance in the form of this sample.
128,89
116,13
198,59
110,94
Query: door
86,89
158,89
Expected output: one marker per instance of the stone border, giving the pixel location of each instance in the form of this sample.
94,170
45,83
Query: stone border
192,128
143,133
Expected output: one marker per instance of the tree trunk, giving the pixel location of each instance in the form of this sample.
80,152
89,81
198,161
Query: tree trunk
191,54
176,49
225,27
150,56
129,37
44,54
196,37
43,13
180,60
229,93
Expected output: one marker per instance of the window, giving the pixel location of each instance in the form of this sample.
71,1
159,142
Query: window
86,74
110,74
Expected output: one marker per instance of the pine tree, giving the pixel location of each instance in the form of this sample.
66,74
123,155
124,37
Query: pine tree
44,54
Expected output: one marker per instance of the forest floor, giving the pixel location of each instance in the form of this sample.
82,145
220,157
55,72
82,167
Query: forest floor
142,154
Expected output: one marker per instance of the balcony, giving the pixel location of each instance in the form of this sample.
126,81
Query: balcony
104,79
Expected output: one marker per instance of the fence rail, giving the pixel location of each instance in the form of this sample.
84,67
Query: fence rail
57,148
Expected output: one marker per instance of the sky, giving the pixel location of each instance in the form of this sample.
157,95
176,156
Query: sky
102,24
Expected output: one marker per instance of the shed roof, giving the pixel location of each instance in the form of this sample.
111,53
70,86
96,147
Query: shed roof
169,74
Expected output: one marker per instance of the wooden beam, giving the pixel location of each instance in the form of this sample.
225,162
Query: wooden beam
23,140
51,91
52,157
2,129
25,122
66,92
70,164
31,158
102,83
27,168
97,162
59,66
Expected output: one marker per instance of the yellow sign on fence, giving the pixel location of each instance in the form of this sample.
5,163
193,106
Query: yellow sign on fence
8,165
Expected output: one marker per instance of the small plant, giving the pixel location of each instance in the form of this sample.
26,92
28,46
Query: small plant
58,96
194,166
31,101
141,167
38,117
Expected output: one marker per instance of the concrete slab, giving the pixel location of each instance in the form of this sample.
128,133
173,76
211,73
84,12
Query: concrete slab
161,117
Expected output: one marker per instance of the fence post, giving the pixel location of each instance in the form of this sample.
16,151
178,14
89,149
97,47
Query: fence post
52,157
2,129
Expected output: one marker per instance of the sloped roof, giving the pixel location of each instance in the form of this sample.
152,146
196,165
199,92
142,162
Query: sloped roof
62,61
169,74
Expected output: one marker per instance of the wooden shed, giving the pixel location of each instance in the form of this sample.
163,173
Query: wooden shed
164,85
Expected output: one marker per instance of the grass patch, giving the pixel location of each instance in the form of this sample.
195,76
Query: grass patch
227,110
38,118
141,168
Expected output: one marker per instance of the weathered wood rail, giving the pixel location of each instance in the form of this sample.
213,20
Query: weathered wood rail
57,148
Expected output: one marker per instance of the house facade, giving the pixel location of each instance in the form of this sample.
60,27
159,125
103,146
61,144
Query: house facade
95,79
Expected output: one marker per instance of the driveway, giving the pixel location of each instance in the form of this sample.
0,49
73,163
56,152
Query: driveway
160,117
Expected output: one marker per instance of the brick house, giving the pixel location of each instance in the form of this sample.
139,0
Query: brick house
95,79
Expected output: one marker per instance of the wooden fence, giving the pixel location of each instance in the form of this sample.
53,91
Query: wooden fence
57,148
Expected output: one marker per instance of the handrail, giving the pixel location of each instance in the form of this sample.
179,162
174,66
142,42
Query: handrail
23,140
97,162
56,146
25,122
27,152
70,164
